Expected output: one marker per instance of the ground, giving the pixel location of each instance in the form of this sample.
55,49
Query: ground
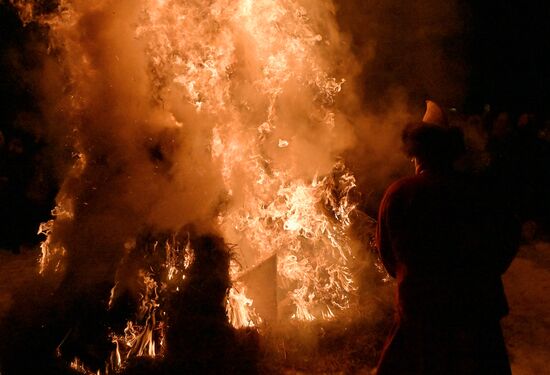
526,328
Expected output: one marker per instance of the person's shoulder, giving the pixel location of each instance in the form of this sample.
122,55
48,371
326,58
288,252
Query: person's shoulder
404,184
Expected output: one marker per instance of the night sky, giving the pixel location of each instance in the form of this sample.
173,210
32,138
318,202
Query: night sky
509,45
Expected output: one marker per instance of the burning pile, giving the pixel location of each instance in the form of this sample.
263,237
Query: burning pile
186,118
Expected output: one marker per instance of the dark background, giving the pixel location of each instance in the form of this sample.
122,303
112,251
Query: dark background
27,183
509,48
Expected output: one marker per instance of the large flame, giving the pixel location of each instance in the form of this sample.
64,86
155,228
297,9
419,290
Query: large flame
259,72
219,113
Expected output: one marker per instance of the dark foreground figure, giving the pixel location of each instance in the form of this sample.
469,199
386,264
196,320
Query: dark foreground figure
441,235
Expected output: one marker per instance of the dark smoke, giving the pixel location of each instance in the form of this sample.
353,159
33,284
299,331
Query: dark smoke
406,52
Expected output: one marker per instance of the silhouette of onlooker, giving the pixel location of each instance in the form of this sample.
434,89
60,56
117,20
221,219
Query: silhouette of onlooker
445,241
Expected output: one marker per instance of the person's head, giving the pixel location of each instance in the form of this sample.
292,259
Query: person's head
434,147
501,126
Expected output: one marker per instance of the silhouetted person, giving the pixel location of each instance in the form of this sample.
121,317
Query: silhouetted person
446,244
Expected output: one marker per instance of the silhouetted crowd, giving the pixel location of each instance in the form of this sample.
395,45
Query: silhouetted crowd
512,153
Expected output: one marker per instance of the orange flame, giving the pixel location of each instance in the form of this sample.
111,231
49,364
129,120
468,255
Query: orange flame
256,78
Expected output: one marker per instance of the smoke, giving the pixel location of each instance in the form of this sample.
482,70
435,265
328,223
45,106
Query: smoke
404,53
132,163
224,116
191,114
419,47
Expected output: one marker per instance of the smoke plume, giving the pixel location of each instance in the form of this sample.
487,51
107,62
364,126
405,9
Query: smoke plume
405,53
225,116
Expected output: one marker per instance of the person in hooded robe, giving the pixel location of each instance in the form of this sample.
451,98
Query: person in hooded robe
447,242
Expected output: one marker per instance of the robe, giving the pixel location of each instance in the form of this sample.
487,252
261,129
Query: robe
447,240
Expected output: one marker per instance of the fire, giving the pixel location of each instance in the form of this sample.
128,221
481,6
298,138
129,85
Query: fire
80,367
141,339
252,83
145,335
239,308
311,245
